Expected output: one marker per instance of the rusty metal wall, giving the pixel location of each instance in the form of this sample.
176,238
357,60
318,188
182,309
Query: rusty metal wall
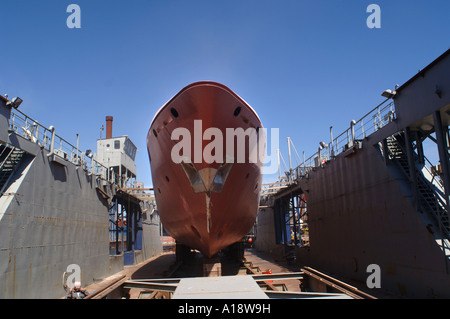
55,219
265,228
152,240
360,215
52,216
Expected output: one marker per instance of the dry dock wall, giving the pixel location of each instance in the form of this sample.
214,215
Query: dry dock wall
361,214
52,217
265,231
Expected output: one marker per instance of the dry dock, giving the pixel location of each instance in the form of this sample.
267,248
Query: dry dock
365,217
259,276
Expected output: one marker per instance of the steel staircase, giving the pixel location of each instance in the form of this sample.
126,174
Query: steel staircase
430,199
10,158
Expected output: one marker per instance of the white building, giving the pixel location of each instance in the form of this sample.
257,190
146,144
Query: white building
118,154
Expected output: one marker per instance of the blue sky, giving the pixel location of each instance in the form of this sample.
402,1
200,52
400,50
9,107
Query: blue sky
302,65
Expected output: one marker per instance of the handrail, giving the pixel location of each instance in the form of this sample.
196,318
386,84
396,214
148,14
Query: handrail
440,205
380,116
45,137
6,158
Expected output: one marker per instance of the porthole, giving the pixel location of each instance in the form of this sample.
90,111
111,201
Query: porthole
174,112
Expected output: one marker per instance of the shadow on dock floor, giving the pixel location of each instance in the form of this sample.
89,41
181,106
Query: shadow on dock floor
161,266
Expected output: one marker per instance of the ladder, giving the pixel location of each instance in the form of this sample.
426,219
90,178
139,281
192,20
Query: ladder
429,199
10,158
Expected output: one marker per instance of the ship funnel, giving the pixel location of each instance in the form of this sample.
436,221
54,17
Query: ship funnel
109,120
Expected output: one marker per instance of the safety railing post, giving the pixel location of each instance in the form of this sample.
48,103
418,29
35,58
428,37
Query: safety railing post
52,142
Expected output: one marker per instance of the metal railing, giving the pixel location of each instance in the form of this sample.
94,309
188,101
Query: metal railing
425,186
381,115
273,188
46,138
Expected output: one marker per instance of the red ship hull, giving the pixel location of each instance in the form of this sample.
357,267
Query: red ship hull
205,204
